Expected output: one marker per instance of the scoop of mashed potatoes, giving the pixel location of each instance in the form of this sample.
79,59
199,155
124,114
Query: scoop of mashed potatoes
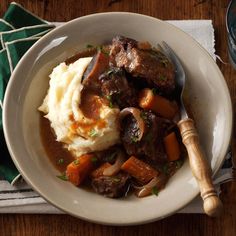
61,106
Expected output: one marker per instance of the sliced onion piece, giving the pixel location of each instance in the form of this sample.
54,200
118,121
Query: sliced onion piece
115,168
158,182
136,113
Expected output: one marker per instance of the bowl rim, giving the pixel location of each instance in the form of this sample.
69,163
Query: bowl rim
6,125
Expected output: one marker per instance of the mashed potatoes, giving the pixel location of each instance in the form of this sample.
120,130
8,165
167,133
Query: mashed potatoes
61,105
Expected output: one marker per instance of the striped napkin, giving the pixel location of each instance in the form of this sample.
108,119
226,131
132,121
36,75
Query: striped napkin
19,30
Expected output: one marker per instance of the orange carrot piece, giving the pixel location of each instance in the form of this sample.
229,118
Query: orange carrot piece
99,171
172,147
139,170
79,169
156,103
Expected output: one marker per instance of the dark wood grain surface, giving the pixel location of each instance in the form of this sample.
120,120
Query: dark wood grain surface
178,224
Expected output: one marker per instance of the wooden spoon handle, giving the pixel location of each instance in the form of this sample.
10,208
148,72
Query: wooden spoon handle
200,168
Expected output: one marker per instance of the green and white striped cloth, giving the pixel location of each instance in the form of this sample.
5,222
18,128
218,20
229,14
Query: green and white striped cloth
19,30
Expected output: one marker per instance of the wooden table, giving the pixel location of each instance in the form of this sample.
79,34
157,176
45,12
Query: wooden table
179,224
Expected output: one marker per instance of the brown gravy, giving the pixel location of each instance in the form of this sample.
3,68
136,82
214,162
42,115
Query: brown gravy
58,155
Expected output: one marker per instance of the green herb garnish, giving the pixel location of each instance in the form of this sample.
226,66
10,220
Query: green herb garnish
76,162
93,133
179,163
143,115
109,98
101,49
155,191
63,177
165,169
94,159
110,104
111,157
89,46
60,161
134,139
154,91
161,77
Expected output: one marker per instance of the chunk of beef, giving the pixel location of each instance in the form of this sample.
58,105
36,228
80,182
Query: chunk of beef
151,145
112,186
98,65
149,64
117,89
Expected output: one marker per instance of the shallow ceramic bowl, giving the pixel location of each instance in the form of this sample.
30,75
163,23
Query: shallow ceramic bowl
207,92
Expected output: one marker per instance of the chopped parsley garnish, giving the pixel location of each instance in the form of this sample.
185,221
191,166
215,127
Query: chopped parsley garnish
60,161
94,159
154,91
101,49
116,179
134,139
155,191
105,52
62,177
110,104
161,77
165,169
76,162
109,98
93,133
111,157
143,115
179,163
89,46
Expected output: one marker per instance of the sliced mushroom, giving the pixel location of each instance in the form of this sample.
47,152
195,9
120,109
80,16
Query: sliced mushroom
115,168
158,182
137,115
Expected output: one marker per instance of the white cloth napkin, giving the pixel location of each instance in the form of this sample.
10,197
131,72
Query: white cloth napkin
20,198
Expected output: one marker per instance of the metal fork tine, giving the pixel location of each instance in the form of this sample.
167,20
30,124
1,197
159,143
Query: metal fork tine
174,58
179,74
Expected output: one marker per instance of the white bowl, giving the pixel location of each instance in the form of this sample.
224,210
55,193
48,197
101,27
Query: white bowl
208,95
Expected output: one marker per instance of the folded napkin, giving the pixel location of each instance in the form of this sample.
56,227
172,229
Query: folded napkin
19,30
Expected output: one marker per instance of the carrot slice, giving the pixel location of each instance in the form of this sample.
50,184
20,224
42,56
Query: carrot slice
139,170
99,171
172,147
79,169
156,103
